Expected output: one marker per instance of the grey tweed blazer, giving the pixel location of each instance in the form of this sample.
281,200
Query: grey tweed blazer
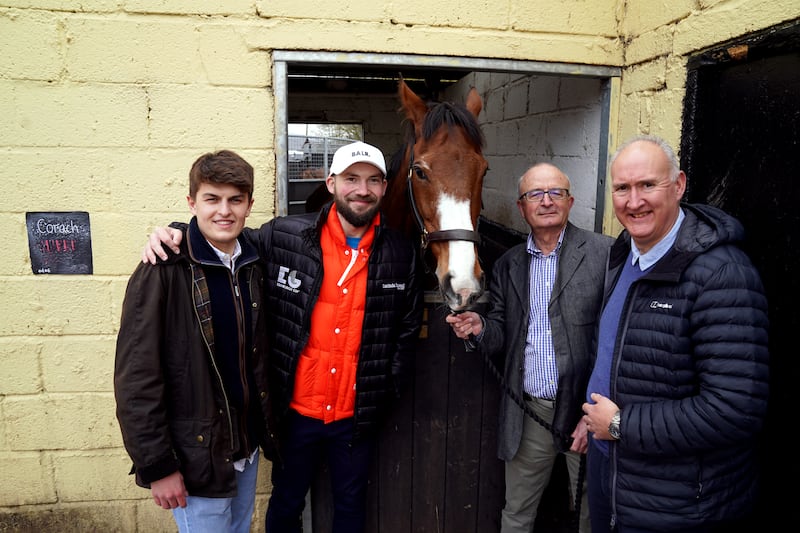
574,310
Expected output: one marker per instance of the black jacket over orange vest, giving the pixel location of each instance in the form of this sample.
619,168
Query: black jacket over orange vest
290,247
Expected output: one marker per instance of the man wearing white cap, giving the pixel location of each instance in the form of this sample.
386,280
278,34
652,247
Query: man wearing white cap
345,307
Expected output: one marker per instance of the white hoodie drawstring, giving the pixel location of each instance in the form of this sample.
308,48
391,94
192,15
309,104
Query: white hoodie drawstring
353,257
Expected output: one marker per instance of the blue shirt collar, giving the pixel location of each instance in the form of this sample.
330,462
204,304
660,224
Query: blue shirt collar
655,253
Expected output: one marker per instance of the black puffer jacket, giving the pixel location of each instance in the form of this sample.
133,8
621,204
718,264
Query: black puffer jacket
690,374
293,275
173,408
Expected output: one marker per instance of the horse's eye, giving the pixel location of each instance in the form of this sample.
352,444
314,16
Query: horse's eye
420,173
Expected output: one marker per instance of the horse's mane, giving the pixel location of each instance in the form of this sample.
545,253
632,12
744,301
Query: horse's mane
452,115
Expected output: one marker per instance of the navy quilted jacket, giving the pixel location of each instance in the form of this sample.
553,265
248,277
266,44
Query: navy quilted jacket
690,374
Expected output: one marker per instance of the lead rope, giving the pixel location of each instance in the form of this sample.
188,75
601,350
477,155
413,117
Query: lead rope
528,411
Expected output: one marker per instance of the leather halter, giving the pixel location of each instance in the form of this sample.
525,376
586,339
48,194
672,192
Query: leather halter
439,235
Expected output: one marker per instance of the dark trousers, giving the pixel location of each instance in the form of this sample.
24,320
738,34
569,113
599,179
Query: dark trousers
597,472
308,442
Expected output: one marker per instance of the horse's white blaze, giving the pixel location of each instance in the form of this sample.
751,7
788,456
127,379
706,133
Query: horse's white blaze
455,214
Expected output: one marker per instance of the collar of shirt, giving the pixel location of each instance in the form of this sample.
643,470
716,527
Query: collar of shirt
534,250
228,259
655,253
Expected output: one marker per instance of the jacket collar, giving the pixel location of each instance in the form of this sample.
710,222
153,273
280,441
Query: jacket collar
570,255
703,228
200,251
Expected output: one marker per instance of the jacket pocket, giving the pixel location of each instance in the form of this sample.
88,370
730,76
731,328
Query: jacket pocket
192,439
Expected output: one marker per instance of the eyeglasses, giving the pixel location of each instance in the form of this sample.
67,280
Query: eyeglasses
537,195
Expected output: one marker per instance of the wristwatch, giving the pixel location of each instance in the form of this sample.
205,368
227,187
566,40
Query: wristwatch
613,427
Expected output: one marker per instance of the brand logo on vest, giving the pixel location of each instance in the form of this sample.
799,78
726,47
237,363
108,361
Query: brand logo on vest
658,305
287,279
396,286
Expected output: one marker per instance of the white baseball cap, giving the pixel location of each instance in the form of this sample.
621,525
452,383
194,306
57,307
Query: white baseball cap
357,152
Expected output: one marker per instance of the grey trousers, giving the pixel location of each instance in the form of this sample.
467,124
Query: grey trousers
528,474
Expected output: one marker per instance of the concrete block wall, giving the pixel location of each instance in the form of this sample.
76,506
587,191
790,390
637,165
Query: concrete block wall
105,108
531,119
104,104
660,37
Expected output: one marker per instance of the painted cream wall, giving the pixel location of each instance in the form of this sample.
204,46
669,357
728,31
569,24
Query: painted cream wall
659,36
106,103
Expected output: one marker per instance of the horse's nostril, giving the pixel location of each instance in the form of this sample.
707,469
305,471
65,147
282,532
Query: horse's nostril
475,296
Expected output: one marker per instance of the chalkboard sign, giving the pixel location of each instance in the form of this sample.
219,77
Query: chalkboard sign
60,242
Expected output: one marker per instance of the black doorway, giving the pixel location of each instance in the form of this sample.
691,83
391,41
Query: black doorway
741,152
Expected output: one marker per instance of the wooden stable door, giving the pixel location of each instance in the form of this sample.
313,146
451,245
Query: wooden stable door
436,468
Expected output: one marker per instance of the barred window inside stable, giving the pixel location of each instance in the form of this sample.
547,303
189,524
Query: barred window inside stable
310,155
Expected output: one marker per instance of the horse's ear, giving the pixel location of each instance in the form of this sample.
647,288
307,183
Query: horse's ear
411,104
474,104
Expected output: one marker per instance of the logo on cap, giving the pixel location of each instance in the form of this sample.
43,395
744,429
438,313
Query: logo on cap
357,152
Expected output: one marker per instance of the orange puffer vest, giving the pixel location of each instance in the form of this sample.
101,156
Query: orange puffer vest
325,381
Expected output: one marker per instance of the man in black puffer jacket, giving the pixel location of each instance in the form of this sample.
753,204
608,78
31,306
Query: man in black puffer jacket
391,314
345,312
679,389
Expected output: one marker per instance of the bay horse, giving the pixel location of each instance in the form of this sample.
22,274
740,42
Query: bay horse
434,190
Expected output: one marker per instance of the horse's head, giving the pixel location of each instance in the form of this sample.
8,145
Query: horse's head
441,177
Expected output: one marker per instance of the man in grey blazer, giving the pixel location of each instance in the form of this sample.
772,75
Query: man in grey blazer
544,300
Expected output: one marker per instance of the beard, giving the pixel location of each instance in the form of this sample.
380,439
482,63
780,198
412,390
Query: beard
358,220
